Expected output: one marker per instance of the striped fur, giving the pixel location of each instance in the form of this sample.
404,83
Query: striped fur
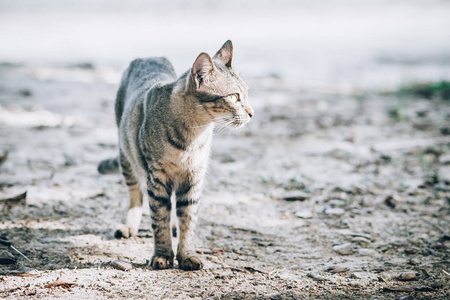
165,132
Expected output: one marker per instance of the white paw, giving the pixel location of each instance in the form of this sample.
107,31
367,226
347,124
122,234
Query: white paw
125,231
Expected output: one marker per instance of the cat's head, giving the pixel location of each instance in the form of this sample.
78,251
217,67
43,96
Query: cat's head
219,89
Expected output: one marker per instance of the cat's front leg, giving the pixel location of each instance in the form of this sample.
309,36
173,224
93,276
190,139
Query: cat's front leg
188,197
159,192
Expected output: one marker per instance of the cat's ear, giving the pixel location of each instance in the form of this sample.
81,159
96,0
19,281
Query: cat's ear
202,69
225,54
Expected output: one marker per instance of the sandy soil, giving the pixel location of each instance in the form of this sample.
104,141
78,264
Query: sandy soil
366,178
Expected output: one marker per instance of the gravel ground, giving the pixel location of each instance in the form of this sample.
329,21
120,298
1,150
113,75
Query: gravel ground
324,195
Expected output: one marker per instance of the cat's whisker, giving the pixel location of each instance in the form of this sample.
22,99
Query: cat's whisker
225,125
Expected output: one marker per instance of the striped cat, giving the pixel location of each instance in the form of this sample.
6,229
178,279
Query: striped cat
165,132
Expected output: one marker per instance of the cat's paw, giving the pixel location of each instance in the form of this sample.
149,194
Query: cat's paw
191,263
161,262
124,231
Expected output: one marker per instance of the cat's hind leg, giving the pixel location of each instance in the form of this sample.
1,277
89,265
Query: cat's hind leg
188,198
134,212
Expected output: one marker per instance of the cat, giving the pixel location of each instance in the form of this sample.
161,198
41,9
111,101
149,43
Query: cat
165,132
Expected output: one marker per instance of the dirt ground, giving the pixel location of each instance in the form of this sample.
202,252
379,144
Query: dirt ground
324,195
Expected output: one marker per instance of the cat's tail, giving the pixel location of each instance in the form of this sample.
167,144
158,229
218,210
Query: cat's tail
109,166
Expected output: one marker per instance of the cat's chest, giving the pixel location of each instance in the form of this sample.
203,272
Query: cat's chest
190,163
196,154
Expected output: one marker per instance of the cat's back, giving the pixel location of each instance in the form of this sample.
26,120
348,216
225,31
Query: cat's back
141,75
146,72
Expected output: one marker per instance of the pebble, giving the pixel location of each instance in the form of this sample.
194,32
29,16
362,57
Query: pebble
410,251
344,249
337,269
304,214
390,201
409,297
291,195
407,276
336,203
383,278
399,242
334,211
360,240
366,252
363,235
316,277
121,265
6,258
444,173
444,159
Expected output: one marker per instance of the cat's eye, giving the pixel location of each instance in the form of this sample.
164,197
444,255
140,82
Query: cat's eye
234,98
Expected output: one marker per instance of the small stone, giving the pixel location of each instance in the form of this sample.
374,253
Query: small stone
360,240
294,196
7,258
383,278
410,251
316,277
363,235
390,201
439,246
263,243
407,276
121,265
344,249
337,269
409,297
445,159
399,243
444,174
366,252
334,211
304,214
336,203
445,130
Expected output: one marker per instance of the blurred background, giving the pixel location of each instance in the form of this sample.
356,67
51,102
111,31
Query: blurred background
340,44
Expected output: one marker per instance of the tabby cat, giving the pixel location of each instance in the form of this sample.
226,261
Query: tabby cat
165,132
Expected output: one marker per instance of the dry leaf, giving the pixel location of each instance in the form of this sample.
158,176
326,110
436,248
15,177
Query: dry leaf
59,282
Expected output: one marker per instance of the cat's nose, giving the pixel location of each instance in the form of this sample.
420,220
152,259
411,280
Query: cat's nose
250,111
